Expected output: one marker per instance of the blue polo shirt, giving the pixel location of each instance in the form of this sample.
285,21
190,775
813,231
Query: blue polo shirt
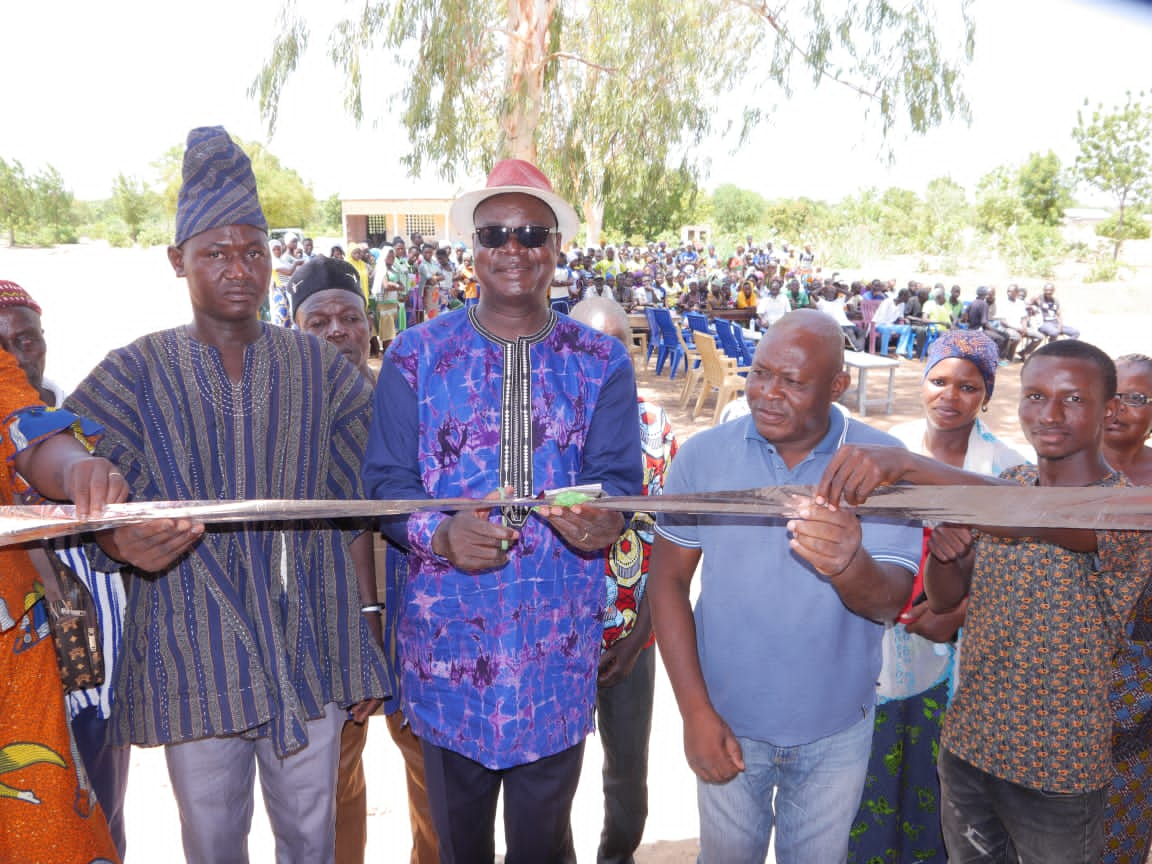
784,660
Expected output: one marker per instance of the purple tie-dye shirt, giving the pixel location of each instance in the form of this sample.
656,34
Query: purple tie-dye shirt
500,666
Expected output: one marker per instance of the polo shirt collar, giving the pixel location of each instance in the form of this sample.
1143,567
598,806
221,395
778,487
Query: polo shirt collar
832,441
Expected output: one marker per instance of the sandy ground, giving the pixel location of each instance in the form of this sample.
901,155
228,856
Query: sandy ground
95,299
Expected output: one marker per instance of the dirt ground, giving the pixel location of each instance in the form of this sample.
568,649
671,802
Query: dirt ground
96,298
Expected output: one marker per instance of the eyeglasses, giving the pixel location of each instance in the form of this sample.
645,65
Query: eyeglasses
528,236
1134,400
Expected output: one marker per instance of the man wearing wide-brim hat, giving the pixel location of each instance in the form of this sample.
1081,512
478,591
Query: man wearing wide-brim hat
244,644
500,632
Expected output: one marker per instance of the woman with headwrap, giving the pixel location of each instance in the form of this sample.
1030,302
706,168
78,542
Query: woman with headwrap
1128,809
747,298
899,818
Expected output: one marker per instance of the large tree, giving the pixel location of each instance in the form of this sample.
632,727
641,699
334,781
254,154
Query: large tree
944,216
35,207
54,205
1116,157
134,203
15,198
1044,187
599,90
735,210
657,203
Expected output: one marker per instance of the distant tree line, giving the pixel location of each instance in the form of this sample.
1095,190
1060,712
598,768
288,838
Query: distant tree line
39,209
1013,213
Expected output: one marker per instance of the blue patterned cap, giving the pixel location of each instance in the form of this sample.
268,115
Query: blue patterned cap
971,345
219,187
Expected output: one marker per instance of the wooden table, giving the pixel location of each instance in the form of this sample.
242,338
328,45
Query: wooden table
741,315
865,362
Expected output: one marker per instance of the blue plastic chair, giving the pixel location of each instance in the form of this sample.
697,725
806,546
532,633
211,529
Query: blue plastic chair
698,323
931,335
653,337
669,343
732,344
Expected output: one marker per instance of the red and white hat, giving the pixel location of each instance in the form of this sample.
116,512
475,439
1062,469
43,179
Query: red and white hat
507,176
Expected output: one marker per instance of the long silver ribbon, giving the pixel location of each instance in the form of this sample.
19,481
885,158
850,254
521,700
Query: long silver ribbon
1018,506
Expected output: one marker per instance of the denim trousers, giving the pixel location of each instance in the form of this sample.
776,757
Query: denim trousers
810,792
987,819
904,338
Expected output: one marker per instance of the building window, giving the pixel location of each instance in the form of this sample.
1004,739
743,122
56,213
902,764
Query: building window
377,225
420,223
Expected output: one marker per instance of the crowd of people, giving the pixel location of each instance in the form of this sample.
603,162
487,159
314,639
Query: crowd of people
1010,721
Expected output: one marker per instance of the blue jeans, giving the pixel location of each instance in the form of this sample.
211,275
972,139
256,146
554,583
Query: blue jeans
987,819
904,342
811,791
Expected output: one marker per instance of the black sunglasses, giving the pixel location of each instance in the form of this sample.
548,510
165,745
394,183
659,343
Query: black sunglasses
528,236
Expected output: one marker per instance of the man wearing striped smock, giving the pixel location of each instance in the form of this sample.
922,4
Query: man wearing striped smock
244,644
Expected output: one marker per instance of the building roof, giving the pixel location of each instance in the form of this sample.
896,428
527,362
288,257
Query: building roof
1081,214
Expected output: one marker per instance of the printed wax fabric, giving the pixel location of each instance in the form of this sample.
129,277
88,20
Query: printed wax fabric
500,666
48,812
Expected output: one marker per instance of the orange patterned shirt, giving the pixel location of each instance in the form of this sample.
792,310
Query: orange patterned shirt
1042,629
17,574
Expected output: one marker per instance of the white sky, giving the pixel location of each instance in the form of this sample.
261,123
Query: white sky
98,88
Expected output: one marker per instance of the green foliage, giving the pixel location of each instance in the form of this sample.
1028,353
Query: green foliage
602,91
1044,188
1032,249
1116,157
898,220
155,233
735,210
135,204
943,217
36,208
999,206
1019,209
284,196
15,194
657,204
795,220
890,54
1135,227
168,170
329,216
1102,270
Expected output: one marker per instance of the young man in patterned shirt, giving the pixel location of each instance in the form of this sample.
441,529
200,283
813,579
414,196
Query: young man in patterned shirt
1026,750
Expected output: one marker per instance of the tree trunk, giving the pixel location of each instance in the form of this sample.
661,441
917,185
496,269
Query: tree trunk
528,22
593,208
1119,238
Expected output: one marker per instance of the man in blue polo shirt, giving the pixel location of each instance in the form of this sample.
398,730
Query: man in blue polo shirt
775,673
